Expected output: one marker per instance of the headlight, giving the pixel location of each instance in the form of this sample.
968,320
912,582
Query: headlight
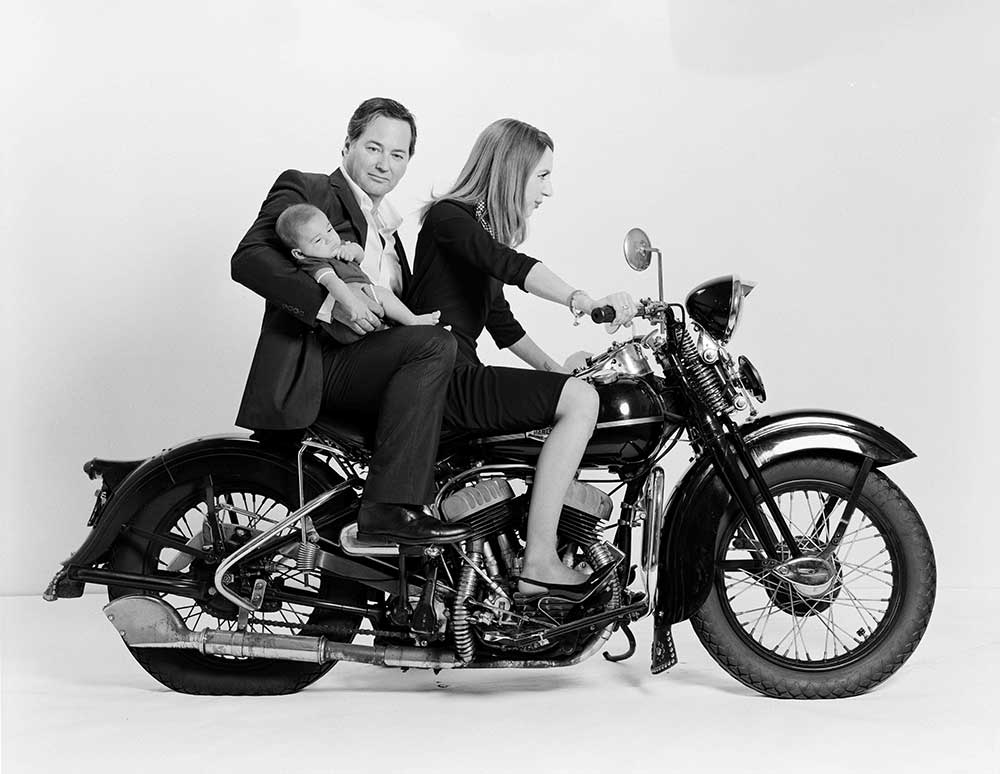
716,305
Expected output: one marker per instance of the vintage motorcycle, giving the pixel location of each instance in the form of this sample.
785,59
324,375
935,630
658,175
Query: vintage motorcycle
805,571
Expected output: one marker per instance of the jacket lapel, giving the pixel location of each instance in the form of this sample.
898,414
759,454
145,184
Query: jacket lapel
347,198
350,202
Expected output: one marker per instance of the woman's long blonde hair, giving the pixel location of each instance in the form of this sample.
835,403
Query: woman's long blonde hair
496,172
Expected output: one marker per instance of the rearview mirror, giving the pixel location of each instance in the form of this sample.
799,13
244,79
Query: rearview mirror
638,252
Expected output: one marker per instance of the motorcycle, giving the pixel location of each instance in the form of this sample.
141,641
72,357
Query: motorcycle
804,570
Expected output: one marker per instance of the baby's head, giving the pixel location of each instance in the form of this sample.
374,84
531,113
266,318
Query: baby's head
307,232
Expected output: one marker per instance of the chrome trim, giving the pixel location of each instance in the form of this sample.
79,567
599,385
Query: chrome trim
149,622
811,576
655,504
353,545
739,292
598,426
251,545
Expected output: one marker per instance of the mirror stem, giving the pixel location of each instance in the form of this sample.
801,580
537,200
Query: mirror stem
659,279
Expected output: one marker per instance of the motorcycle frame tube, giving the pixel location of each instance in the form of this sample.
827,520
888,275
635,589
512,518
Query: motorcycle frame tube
156,473
264,538
700,498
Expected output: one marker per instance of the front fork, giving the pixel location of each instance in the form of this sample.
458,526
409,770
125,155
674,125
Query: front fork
744,480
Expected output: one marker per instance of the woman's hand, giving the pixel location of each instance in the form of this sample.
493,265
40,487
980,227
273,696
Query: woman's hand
576,361
625,308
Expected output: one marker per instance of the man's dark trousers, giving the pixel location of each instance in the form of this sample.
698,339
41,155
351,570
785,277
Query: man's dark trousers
378,379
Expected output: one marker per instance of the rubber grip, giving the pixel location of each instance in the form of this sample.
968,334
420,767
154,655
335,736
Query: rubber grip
603,314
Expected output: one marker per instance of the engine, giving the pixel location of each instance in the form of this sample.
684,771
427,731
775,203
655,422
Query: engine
483,609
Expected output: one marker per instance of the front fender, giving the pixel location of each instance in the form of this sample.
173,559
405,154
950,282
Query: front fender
775,436
686,559
158,472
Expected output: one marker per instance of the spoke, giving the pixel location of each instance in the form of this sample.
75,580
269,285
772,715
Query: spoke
766,619
870,558
742,592
798,628
184,528
870,574
859,607
300,618
753,609
854,539
859,530
830,632
850,604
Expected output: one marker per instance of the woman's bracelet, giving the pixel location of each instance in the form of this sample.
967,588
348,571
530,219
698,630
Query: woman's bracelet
577,313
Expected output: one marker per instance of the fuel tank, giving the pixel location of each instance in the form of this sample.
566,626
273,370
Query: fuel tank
632,420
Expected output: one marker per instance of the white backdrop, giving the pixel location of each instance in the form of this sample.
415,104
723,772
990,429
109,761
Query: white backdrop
844,155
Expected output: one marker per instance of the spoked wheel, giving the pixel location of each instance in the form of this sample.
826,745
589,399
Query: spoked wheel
845,636
168,535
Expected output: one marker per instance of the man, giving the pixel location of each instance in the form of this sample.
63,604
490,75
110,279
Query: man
397,377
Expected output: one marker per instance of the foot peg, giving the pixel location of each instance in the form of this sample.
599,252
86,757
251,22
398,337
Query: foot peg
664,653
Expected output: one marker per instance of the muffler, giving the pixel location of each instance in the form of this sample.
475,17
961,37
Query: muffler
149,622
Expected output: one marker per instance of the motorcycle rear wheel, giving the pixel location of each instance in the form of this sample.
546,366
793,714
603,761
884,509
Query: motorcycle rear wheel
268,489
771,638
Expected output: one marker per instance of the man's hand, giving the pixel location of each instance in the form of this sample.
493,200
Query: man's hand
349,252
358,310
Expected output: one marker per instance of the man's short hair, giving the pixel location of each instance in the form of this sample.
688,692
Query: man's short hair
291,220
371,109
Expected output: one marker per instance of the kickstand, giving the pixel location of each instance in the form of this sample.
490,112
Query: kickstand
631,646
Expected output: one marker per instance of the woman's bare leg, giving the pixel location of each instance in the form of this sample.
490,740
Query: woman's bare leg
575,417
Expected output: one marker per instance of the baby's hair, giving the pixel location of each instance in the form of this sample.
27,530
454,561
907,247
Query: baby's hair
291,220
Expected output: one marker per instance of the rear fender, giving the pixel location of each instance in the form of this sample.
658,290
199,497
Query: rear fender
686,559
163,470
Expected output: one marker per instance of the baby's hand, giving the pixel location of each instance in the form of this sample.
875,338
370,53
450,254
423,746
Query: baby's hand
349,252
427,319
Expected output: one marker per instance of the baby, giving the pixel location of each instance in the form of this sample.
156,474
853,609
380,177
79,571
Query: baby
317,248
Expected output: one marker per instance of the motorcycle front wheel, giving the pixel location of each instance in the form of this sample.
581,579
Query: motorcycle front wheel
249,494
851,638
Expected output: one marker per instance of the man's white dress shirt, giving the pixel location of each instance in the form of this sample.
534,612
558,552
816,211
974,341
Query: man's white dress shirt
381,263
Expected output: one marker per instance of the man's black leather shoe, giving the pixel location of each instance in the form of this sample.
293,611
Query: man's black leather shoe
406,525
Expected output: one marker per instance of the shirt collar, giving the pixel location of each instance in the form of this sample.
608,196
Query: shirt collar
385,214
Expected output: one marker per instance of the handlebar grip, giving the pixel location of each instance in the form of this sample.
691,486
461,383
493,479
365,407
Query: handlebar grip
603,314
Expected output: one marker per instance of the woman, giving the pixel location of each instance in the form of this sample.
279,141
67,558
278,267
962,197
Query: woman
465,255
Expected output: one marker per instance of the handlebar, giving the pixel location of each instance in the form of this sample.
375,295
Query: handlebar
603,314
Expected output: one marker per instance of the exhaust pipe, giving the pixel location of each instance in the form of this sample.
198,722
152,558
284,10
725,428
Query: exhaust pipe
149,622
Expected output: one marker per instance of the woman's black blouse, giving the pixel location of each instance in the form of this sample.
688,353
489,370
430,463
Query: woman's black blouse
461,270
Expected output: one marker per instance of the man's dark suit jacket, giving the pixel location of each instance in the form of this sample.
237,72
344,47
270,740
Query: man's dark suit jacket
285,386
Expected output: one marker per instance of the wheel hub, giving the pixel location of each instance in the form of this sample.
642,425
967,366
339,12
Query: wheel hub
806,585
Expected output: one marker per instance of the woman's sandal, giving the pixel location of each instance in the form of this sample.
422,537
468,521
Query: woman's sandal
572,592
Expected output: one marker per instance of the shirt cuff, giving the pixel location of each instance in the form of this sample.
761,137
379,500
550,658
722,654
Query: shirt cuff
325,311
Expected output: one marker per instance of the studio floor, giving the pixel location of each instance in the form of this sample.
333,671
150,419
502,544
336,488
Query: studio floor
73,700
